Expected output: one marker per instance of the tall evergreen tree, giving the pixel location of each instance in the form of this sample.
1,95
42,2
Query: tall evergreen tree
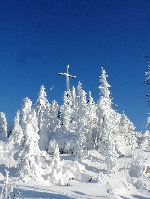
91,120
106,115
43,114
85,121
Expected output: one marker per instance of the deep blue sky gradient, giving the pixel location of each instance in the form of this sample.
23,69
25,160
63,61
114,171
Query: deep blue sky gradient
39,38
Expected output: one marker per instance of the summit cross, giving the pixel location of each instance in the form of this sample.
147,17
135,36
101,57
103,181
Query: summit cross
67,75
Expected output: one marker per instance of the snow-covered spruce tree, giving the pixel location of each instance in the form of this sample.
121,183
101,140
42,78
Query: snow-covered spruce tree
61,174
92,121
43,112
82,102
17,133
66,126
42,104
53,119
55,159
126,133
111,154
84,122
145,143
66,111
3,127
74,108
107,117
25,112
56,168
29,158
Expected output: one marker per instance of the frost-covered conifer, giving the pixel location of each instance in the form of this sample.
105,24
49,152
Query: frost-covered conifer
82,102
53,119
111,155
84,121
43,112
25,112
56,158
3,127
66,111
145,140
55,165
92,121
29,157
126,130
17,132
42,107
107,121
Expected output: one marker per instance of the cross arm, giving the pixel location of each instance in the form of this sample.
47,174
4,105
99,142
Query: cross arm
71,76
64,74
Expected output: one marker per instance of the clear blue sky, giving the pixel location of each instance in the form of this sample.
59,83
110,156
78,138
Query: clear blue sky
39,38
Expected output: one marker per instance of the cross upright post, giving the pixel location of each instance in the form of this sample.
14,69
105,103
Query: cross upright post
67,75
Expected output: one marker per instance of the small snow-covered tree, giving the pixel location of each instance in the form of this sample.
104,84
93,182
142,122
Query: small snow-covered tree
29,158
111,155
82,102
66,111
145,140
53,119
17,132
91,121
43,112
56,166
56,158
126,130
42,107
25,112
61,174
3,127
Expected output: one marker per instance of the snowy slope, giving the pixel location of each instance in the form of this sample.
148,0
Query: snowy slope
122,184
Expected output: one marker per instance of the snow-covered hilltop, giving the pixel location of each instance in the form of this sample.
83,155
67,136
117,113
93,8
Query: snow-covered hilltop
79,141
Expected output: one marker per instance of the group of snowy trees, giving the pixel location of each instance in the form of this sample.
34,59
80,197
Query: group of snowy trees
79,124
76,125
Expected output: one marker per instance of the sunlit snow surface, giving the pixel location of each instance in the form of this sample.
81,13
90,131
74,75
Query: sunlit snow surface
122,184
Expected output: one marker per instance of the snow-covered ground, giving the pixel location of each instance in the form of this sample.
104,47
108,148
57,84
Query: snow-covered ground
93,181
